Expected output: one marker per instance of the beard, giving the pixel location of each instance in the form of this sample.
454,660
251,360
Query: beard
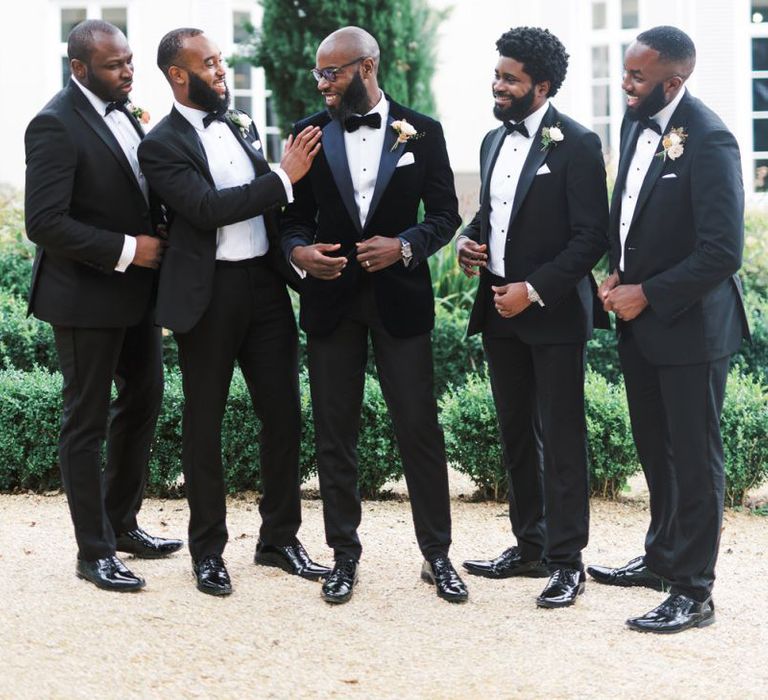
518,110
103,89
354,101
205,97
654,102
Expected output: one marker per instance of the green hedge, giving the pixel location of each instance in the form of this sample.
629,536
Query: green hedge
16,267
24,341
472,442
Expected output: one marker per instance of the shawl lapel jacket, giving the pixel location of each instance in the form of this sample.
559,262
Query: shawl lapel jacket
685,242
81,199
173,161
556,234
324,211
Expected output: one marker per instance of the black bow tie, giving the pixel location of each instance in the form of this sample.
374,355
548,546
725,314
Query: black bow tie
649,123
519,127
119,106
354,122
208,119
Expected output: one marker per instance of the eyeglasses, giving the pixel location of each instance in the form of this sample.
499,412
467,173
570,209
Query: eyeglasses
330,74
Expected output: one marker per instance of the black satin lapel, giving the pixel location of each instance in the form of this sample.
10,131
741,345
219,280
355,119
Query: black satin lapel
260,164
625,158
97,123
336,156
657,165
536,157
193,143
387,165
486,171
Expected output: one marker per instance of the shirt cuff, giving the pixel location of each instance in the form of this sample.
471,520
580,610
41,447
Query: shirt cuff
533,295
286,183
126,257
301,273
459,239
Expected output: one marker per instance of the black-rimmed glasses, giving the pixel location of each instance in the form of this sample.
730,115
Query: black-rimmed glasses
330,74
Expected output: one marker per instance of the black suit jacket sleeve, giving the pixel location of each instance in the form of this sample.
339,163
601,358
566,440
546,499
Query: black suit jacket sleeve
718,211
587,202
441,218
182,186
50,179
473,229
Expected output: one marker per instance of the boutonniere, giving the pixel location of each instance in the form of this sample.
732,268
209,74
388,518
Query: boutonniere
242,121
141,114
672,144
405,132
551,136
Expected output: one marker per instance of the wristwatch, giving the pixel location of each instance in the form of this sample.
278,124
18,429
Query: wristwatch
405,252
533,295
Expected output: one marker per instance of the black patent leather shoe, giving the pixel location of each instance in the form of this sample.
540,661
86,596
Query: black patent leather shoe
633,573
676,614
562,588
110,574
508,564
292,558
341,581
212,575
447,582
145,546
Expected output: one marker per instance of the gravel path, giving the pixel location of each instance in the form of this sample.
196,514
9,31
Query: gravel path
275,638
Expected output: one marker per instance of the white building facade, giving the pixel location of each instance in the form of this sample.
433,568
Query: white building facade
731,74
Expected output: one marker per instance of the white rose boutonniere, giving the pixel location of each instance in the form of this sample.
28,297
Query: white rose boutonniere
672,144
405,132
141,114
551,136
242,121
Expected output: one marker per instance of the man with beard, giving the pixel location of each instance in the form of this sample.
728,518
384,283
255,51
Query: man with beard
353,228
223,294
94,221
540,229
676,235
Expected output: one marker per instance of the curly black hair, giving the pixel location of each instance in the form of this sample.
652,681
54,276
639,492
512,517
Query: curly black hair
542,54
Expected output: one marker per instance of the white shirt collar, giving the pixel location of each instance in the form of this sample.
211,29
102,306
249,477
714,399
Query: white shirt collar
533,120
664,115
192,115
98,104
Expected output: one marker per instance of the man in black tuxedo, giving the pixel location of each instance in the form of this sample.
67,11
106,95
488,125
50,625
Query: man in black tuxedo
94,221
223,294
353,228
676,235
540,229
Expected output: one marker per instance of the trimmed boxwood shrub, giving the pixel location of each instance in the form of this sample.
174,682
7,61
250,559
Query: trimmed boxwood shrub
744,425
472,436
455,355
16,267
752,357
24,341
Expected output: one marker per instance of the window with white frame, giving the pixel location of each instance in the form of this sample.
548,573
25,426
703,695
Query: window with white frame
759,78
71,14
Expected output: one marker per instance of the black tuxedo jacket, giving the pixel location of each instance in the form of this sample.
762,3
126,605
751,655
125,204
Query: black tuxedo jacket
81,199
685,242
173,161
556,235
324,211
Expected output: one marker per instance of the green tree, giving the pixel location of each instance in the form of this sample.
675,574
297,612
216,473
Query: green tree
291,31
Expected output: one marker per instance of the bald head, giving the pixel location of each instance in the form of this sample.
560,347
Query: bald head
352,40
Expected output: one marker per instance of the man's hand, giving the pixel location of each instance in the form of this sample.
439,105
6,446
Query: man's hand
376,253
314,259
511,299
300,152
627,301
606,286
472,256
149,251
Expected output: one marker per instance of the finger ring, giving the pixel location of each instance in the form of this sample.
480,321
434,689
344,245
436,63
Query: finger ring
367,263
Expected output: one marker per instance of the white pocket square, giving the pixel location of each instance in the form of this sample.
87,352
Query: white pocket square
668,175
405,159
257,144
543,170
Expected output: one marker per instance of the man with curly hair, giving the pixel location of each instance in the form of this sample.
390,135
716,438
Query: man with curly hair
540,229
676,235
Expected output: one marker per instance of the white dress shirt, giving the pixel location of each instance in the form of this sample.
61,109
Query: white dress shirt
363,157
504,180
648,145
230,166
128,138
